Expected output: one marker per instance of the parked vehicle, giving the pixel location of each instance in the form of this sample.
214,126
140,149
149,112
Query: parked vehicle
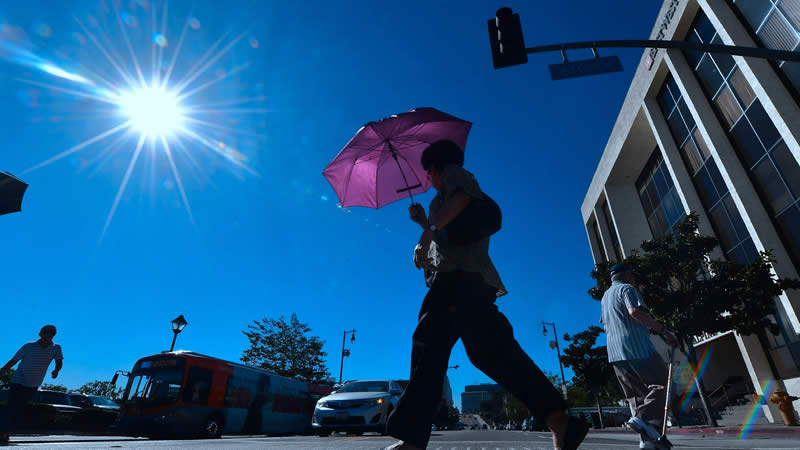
96,413
177,394
357,407
46,411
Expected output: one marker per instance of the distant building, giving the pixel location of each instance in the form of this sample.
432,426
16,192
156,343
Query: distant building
719,136
474,394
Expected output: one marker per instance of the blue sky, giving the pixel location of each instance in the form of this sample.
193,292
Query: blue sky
274,243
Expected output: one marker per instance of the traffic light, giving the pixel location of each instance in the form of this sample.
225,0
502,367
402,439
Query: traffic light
505,37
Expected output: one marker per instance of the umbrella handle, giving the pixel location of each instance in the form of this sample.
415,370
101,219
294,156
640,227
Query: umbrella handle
408,188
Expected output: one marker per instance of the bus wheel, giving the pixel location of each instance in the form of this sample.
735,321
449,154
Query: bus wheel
213,427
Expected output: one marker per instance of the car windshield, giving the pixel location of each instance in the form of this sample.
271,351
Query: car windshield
79,400
365,386
53,398
102,401
155,386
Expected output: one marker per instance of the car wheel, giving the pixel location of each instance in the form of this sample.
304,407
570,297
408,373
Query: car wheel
355,433
324,433
212,429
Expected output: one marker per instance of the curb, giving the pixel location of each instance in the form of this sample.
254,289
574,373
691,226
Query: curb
763,431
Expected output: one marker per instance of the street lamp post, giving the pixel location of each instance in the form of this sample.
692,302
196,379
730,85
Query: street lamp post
178,324
344,351
558,351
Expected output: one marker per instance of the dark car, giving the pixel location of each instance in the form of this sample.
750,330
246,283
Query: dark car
96,414
47,410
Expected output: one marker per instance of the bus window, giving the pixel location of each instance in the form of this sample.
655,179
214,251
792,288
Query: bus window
198,385
160,386
246,388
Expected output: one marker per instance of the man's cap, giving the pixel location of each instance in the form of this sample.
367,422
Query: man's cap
620,268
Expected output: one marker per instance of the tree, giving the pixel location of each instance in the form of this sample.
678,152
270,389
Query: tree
492,410
285,348
591,367
102,389
680,283
53,387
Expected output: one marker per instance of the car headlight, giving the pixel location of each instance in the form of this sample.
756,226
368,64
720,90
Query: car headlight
380,401
322,404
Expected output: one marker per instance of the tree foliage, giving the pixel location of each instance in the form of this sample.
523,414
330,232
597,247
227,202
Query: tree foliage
284,347
590,364
53,387
680,283
102,389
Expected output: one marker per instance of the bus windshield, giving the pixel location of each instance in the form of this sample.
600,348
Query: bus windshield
155,386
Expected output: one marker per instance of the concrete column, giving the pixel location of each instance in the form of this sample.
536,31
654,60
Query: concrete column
677,169
598,253
768,86
605,232
755,216
625,206
758,368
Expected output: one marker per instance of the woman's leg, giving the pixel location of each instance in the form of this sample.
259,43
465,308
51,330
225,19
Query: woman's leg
490,344
432,342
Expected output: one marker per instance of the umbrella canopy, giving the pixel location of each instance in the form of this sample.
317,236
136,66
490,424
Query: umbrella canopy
11,191
381,163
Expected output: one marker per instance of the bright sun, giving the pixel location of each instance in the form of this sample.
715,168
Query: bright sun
153,111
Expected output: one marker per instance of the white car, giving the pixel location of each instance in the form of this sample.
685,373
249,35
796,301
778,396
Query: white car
356,407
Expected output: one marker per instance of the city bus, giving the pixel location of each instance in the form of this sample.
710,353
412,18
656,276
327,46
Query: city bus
181,393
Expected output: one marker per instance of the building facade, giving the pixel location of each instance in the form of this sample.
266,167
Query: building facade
474,394
717,135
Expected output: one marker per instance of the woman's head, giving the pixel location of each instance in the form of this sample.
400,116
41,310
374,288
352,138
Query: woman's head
439,155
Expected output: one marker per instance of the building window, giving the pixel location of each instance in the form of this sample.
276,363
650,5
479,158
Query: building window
660,201
734,239
612,230
763,153
775,24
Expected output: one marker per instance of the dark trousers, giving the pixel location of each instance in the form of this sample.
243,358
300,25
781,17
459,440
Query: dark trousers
18,397
461,305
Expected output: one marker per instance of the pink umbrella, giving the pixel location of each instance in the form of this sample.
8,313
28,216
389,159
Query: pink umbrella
381,163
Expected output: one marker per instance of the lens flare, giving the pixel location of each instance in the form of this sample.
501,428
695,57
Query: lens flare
153,111
179,104
692,387
750,418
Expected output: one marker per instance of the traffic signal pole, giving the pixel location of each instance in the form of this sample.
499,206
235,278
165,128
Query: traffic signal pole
765,53
508,46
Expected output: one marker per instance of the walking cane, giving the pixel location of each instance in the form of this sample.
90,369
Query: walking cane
663,441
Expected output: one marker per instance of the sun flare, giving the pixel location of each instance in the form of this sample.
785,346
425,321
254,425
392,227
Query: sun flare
153,111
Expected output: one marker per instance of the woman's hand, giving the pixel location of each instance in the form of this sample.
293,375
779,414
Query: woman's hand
417,214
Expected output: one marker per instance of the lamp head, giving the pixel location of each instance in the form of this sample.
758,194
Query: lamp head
178,324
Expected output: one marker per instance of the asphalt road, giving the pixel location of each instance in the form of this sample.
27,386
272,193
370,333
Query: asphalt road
449,440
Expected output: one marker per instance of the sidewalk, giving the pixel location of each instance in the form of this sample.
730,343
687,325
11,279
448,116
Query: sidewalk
766,430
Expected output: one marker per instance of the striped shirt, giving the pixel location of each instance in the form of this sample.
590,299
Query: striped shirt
35,361
626,338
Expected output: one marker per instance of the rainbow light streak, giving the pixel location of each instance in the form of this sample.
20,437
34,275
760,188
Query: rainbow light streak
692,387
750,418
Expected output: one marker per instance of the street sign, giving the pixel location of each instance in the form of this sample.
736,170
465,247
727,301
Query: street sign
586,67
